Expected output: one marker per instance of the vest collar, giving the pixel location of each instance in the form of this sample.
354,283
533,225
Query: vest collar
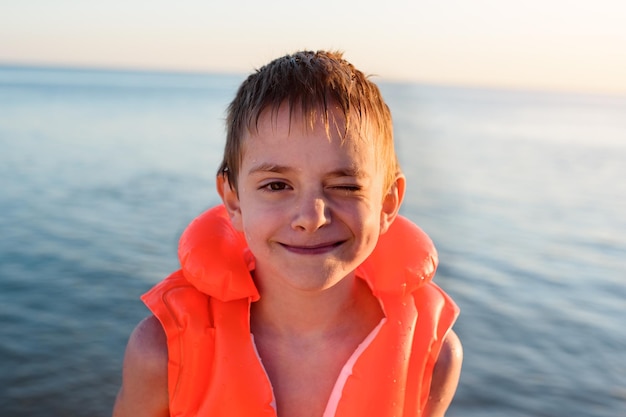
215,259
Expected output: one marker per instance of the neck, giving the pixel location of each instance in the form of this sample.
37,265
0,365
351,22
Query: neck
293,312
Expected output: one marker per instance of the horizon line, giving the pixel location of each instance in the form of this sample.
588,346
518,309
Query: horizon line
522,88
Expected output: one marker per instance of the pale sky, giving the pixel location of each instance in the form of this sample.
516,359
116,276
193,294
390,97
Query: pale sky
540,44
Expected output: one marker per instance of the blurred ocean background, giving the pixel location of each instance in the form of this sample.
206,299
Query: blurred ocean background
524,194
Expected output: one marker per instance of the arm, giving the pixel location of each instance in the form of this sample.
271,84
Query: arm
144,375
445,376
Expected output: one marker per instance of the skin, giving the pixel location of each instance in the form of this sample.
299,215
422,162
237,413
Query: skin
312,209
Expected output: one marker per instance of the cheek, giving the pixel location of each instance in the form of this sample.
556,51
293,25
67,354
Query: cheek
373,227
256,228
366,223
249,230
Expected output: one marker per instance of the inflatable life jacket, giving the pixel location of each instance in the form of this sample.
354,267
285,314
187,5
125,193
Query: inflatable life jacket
213,367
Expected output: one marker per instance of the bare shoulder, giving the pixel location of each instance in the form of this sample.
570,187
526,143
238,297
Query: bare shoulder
445,377
144,375
147,346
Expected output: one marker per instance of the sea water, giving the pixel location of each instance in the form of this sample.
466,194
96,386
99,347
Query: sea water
524,194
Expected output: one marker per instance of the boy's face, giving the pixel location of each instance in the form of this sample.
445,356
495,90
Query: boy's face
311,208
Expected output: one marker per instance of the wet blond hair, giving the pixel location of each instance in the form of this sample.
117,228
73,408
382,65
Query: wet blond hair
315,84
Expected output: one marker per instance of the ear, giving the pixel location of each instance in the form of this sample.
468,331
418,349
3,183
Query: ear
230,198
392,202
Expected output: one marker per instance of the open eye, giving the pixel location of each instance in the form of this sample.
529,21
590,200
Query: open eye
275,186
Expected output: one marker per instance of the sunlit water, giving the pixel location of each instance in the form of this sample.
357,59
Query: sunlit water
523,194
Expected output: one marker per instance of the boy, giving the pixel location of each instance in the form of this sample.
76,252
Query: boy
305,294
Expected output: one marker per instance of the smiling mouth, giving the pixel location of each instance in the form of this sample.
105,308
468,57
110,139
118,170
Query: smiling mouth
314,249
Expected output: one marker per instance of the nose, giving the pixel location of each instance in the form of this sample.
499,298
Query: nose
312,213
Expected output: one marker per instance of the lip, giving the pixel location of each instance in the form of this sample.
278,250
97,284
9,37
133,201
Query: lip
318,249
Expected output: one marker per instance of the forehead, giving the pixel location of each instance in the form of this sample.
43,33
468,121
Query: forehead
285,133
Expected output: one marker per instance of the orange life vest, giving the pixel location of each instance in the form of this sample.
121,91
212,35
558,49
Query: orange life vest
213,366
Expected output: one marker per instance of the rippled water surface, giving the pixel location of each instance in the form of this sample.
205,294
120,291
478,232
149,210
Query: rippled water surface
523,194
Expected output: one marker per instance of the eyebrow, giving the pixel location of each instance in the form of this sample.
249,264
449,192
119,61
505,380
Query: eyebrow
269,167
351,171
